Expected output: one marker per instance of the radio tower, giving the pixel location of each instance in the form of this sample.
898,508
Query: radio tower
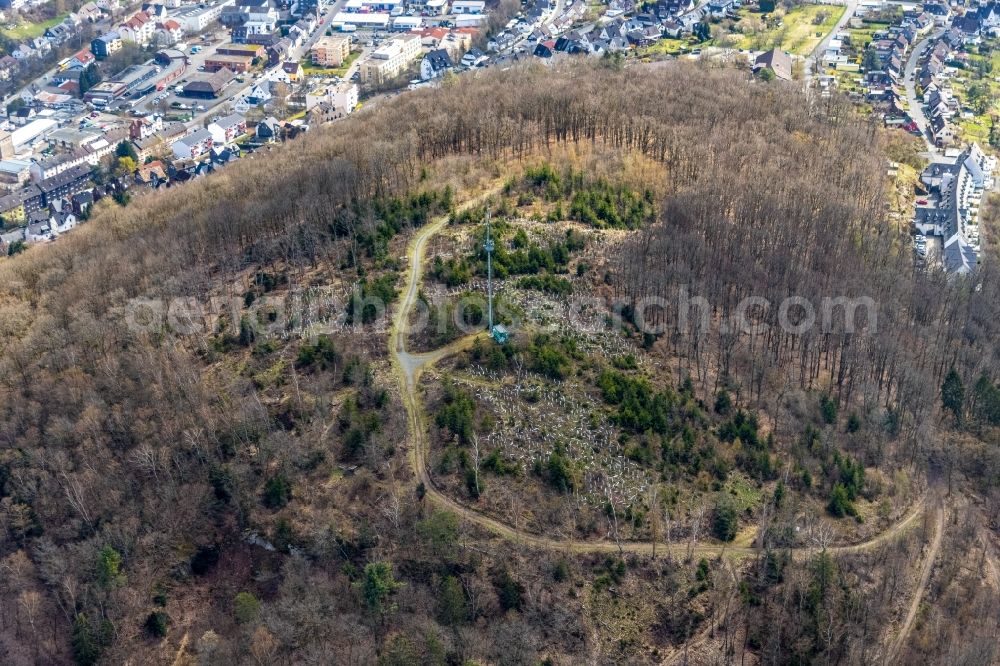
498,332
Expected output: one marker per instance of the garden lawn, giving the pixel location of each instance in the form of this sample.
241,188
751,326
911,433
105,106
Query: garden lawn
310,69
24,31
799,34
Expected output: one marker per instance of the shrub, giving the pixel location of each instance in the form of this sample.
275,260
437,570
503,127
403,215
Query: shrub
109,563
245,608
89,639
725,520
510,593
452,608
828,409
156,624
277,491
840,504
204,560
321,354
376,586
560,472
457,413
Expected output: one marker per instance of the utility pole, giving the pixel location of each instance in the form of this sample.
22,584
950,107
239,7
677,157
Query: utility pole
497,332
488,246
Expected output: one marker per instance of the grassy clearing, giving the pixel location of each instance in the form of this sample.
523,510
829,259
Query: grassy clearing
666,46
309,69
23,31
977,128
799,31
860,37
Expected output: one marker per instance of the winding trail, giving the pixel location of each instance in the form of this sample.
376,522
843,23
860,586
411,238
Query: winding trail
408,368
925,576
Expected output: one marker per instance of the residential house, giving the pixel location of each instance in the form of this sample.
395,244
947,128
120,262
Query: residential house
58,33
23,52
138,28
777,61
391,59
151,174
330,51
435,64
81,203
106,44
8,66
168,33
193,145
292,70
343,98
473,58
89,13
143,128
278,51
720,7
41,45
673,29
37,229
259,94
155,11
61,218
268,130
545,49
79,60
226,130
15,206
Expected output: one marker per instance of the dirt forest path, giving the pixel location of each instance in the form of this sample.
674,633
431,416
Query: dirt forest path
408,368
927,567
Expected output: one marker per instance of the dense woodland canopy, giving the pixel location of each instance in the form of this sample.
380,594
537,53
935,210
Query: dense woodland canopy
251,499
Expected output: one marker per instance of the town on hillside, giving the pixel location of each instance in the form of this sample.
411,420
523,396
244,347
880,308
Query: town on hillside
113,98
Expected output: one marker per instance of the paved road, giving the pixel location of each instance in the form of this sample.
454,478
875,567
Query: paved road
270,73
916,109
850,7
321,29
555,13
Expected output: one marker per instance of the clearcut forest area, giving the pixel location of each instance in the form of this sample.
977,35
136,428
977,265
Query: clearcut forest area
316,454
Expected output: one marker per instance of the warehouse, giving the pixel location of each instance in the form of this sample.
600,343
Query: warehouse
22,136
361,20
468,7
407,23
210,87
235,63
252,50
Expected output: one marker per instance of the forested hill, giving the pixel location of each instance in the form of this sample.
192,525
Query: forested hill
235,480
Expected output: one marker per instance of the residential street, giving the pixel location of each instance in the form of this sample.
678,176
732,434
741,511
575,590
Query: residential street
852,6
909,80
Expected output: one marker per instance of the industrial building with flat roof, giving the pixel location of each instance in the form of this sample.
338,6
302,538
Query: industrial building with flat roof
236,63
252,50
380,20
128,80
